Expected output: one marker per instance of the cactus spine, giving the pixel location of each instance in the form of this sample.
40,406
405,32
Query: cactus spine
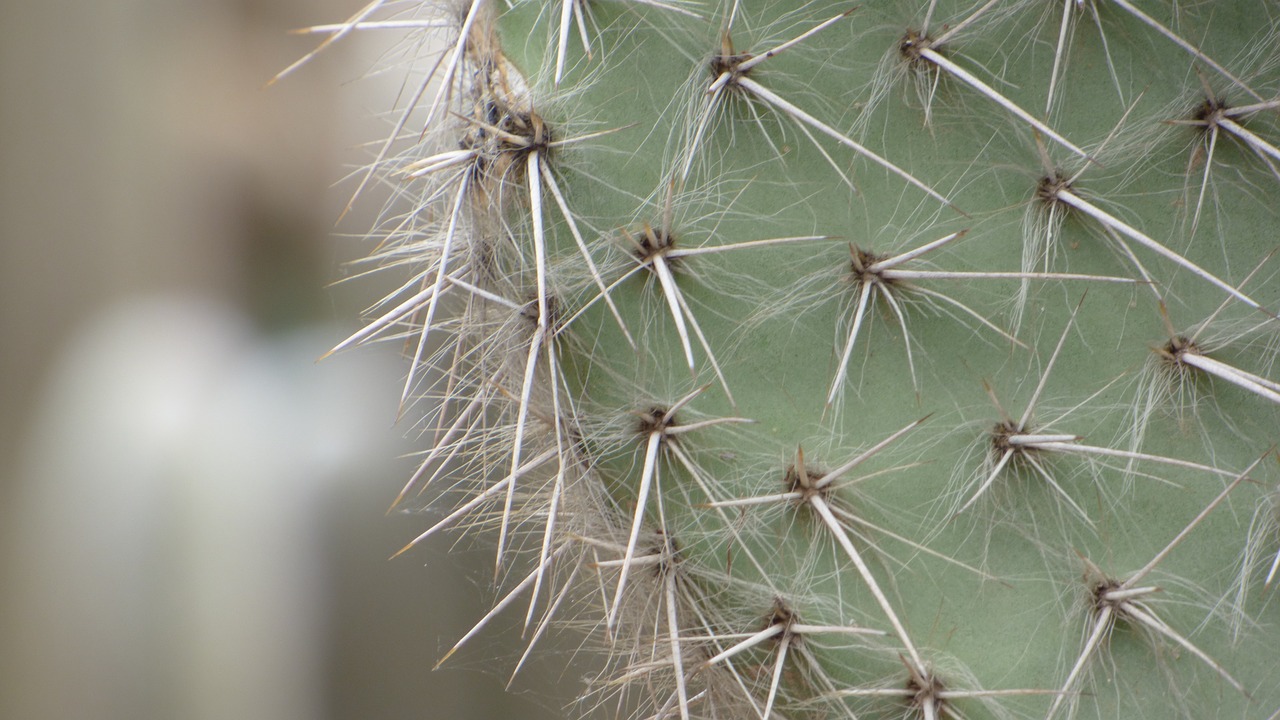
905,360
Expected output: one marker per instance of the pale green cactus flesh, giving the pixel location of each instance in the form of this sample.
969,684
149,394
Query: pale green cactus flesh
1026,471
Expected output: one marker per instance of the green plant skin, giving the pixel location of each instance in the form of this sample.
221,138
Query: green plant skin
777,319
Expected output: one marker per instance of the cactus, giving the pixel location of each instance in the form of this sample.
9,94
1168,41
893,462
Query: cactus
905,360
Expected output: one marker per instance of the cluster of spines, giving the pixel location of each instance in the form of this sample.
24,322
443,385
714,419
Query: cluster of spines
577,492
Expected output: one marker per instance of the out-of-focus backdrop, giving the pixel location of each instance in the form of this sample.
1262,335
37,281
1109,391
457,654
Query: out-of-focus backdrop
191,508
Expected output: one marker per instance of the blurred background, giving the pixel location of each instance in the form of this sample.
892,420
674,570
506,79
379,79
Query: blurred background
192,510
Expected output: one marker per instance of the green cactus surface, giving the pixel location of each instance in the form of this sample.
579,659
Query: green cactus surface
905,360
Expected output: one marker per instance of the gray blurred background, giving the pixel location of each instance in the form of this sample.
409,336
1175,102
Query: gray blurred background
191,509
